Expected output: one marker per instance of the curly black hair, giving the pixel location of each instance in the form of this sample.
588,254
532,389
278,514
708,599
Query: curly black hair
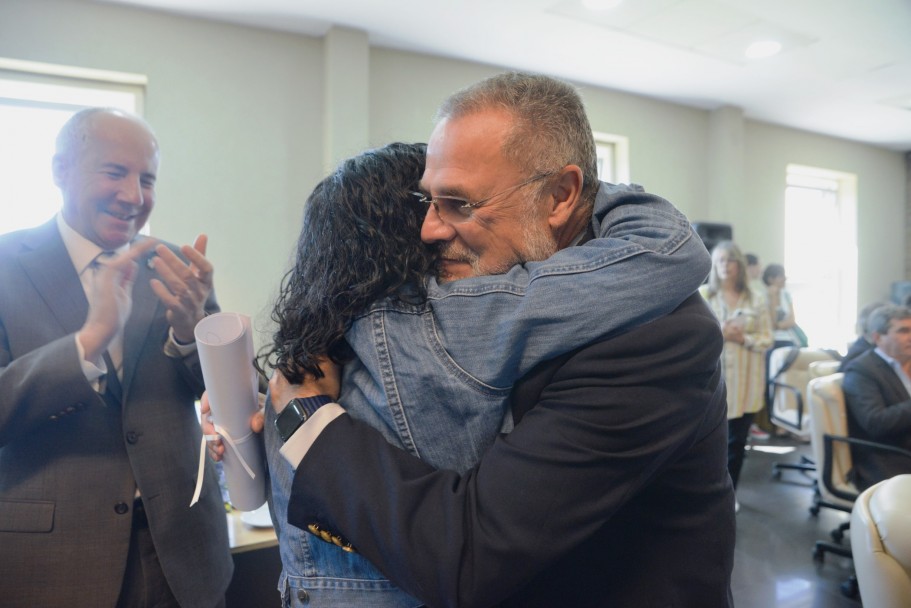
359,242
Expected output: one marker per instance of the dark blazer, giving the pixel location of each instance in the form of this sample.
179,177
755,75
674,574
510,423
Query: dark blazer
612,490
857,348
70,460
879,409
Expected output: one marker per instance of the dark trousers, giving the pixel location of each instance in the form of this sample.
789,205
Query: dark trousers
144,584
738,432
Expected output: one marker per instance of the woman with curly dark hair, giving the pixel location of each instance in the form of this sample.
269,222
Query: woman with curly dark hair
431,364
358,244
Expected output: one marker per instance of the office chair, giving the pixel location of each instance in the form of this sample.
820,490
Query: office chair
788,377
831,448
818,369
881,543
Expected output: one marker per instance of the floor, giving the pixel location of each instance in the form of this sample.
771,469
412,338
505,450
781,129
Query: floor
773,563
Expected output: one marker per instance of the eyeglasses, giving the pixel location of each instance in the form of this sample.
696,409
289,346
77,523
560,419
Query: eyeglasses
453,210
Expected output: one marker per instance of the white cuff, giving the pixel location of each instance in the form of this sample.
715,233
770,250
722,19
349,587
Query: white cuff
91,371
175,350
299,442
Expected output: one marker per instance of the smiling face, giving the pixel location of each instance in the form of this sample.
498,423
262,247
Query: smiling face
464,160
106,173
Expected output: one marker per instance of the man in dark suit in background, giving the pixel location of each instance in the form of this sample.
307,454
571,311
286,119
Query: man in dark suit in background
864,340
877,386
99,439
612,489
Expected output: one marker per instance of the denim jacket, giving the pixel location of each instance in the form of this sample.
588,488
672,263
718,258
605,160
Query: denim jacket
434,378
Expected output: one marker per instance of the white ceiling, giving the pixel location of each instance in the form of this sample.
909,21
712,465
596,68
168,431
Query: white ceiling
845,69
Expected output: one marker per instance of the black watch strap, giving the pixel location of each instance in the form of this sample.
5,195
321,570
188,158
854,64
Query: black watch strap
296,413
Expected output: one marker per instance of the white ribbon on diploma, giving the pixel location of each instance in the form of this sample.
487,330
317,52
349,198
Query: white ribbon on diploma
225,344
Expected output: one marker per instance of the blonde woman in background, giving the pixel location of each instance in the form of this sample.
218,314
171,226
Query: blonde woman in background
747,329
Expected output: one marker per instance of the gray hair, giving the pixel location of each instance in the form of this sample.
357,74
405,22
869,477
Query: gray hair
550,128
880,318
863,320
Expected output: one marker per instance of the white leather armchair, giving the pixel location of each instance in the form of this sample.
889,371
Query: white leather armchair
828,416
818,369
832,453
788,377
881,543
789,372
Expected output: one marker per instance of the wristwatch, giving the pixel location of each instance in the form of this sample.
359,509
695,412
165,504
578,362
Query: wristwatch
297,412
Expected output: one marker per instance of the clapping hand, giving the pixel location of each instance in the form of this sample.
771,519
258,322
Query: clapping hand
183,287
111,300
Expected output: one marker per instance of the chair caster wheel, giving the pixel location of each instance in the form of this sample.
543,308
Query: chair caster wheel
849,588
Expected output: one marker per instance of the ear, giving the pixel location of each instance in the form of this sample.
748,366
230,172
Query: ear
59,168
566,197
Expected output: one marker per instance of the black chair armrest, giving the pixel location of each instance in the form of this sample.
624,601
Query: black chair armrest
828,456
798,396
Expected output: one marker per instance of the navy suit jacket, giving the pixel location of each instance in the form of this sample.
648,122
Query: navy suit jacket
70,460
612,490
879,409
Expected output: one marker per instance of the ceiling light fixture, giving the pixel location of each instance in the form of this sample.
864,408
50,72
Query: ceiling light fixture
601,5
762,49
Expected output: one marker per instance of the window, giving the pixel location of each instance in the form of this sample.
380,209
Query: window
613,157
821,253
35,100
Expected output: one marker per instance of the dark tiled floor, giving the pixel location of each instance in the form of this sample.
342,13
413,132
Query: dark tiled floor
773,563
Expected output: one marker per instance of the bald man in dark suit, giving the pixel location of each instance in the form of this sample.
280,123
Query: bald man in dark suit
99,439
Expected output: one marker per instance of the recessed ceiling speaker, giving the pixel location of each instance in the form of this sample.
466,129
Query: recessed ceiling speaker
712,234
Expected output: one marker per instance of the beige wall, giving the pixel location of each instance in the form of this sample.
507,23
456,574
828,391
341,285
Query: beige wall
880,199
908,216
246,123
237,112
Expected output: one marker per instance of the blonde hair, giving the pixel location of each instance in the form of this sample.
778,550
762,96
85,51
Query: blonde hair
740,283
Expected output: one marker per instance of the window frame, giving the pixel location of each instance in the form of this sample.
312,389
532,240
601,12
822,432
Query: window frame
67,89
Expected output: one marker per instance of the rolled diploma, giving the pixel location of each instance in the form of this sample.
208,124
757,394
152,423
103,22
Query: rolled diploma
225,344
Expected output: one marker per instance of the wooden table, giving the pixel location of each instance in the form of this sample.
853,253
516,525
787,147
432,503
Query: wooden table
243,537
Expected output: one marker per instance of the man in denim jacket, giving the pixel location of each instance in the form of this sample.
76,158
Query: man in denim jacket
431,389
612,488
